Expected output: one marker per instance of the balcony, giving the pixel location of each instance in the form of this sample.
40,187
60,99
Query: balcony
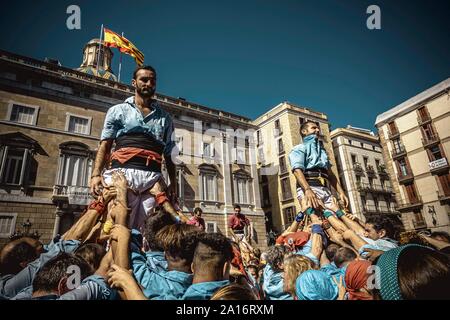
438,166
430,141
370,170
71,194
371,209
382,171
402,179
398,152
393,134
374,188
423,119
409,205
358,169
443,198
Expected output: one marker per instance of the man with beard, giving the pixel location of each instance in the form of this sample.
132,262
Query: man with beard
142,133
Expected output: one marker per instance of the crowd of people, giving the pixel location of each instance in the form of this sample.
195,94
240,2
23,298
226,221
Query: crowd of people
316,258
134,243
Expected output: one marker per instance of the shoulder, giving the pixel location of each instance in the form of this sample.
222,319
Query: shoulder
299,148
160,111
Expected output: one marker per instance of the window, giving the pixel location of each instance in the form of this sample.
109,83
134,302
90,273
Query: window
383,183
14,165
240,155
258,137
289,214
377,163
388,202
366,161
398,146
374,148
358,180
280,146
211,227
370,181
179,144
423,114
301,120
418,217
411,193
393,128
363,201
7,224
23,114
208,186
445,183
283,168
349,141
353,159
286,189
403,167
428,131
377,205
207,150
277,128
75,167
435,153
78,124
362,144
242,190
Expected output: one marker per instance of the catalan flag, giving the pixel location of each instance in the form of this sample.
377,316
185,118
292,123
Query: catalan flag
114,40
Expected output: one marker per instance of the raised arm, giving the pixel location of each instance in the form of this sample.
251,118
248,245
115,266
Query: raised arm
103,152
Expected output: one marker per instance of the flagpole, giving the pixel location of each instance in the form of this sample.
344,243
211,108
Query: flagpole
99,48
120,62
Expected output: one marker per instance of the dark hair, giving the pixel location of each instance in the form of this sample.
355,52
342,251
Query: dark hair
382,223
150,68
305,126
212,252
234,291
179,240
343,255
236,206
155,222
48,277
92,253
14,256
423,274
197,209
275,256
441,234
331,250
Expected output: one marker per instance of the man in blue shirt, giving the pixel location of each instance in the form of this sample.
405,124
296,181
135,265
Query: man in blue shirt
311,167
211,266
142,133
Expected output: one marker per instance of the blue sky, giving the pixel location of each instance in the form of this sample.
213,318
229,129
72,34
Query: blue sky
247,56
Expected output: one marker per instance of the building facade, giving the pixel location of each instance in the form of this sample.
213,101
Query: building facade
363,174
278,132
51,119
415,138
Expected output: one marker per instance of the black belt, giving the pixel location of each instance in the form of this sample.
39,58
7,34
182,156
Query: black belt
316,173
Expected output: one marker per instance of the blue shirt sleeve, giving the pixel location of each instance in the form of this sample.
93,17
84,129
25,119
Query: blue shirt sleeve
10,286
92,288
297,159
110,126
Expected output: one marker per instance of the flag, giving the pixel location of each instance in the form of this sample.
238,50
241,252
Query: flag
114,40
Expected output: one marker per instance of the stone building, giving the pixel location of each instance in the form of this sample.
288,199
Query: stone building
363,173
415,138
51,119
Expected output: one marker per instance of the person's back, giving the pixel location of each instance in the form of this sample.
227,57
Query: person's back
273,284
211,266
